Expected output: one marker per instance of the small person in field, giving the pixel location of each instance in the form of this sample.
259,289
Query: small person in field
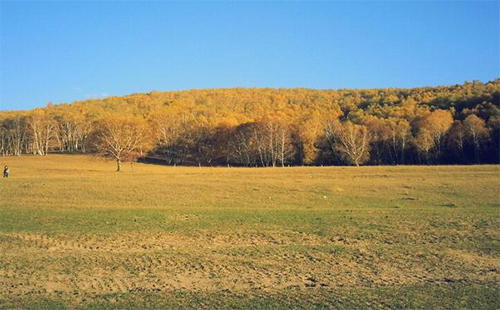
6,172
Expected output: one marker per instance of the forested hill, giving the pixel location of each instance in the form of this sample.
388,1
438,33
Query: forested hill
272,127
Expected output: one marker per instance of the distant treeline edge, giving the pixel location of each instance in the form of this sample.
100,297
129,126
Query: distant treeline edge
457,124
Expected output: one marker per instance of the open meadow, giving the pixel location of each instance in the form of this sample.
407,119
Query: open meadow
76,234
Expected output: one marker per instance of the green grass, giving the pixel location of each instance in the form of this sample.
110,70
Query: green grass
75,234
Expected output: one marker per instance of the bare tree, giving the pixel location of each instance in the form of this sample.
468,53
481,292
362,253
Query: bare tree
42,130
241,146
174,134
14,135
352,141
425,142
121,137
400,134
456,140
264,143
282,149
73,129
476,131
433,125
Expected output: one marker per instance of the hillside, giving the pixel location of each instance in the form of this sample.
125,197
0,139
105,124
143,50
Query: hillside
276,127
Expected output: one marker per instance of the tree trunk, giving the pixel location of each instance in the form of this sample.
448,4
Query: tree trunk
118,162
356,162
476,151
403,145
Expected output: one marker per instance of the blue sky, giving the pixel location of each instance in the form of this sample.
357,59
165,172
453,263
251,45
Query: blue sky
64,51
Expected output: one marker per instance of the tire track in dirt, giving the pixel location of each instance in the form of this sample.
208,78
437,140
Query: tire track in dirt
45,242
98,266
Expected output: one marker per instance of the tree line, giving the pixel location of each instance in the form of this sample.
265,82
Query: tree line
265,127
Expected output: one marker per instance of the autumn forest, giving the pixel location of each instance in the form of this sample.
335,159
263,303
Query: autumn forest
457,124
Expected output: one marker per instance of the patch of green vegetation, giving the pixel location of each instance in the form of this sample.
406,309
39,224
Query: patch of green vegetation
75,234
445,296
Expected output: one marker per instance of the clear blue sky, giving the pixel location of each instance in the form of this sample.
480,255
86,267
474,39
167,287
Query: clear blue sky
64,51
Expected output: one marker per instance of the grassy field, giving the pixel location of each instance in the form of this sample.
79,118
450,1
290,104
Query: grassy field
76,234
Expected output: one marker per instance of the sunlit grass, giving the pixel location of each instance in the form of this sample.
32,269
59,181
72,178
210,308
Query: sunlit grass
74,233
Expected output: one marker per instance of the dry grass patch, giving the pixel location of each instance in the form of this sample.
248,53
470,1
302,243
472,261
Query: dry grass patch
73,233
